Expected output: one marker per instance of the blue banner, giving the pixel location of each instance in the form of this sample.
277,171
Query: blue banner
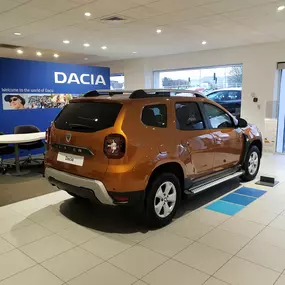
32,92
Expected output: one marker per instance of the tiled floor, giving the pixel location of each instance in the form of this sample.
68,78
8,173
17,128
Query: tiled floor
54,239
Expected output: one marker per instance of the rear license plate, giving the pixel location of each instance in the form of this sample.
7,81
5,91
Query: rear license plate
70,158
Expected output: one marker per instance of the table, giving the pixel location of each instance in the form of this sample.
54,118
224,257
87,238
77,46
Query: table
17,139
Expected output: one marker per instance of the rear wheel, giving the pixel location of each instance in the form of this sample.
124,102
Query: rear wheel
162,200
251,164
75,196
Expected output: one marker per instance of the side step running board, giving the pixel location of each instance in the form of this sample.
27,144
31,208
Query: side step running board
197,189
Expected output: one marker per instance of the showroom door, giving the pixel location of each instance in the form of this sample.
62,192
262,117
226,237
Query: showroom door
228,139
280,146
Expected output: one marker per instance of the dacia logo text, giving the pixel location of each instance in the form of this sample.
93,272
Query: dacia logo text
88,79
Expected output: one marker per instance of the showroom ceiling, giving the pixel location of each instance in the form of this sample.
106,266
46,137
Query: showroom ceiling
184,25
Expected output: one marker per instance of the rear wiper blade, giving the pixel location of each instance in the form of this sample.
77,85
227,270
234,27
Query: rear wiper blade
80,126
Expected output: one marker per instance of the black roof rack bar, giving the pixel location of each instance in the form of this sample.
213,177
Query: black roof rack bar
148,93
95,93
144,93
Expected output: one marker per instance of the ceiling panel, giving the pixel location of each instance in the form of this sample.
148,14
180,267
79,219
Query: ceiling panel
54,5
227,6
6,5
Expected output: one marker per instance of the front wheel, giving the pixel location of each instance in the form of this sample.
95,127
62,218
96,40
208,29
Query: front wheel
251,164
163,199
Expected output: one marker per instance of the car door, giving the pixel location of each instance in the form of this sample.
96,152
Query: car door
196,138
228,138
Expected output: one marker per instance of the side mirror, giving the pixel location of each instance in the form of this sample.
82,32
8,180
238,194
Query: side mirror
242,123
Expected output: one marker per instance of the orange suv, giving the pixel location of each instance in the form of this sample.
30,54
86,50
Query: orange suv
148,148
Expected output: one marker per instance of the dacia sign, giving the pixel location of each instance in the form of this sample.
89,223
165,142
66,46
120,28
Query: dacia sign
84,78
59,78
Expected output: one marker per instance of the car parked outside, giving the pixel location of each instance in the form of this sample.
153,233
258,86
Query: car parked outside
229,98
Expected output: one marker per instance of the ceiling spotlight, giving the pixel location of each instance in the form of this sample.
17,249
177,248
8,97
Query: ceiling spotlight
39,53
55,55
158,31
134,52
19,51
103,47
66,41
85,58
87,14
281,8
17,34
86,45
204,42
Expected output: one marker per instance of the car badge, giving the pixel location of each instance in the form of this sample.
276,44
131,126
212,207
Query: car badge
68,137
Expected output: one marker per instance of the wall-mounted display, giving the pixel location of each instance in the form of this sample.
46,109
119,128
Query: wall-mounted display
34,92
15,101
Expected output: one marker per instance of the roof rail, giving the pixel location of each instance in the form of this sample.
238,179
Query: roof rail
144,93
149,93
95,93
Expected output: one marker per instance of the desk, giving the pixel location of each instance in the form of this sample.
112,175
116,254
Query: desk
17,139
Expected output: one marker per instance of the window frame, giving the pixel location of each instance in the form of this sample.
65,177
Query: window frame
199,109
210,127
153,105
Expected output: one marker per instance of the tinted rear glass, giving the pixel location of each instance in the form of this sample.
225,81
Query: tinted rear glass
88,116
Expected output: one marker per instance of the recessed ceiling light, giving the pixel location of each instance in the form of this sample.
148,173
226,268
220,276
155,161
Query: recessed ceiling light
103,47
87,14
86,45
158,31
85,58
55,55
281,8
204,42
19,51
39,53
66,41
17,34
134,52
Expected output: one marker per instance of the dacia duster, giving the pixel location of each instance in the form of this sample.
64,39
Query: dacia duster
148,148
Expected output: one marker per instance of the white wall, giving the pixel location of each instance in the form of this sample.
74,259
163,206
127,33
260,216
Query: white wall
259,72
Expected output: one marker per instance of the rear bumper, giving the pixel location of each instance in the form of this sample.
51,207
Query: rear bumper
84,187
91,189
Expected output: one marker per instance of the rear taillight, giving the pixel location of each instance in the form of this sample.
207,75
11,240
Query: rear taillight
114,146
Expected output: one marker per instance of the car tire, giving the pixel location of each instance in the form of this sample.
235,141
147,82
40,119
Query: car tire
251,164
76,196
163,199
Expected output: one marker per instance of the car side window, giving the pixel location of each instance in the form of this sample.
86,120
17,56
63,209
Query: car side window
217,117
155,115
234,95
188,117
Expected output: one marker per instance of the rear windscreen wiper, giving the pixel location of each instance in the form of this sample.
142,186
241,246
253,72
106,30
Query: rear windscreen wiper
79,126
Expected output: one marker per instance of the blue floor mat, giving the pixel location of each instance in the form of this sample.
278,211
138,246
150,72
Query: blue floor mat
250,192
238,199
225,207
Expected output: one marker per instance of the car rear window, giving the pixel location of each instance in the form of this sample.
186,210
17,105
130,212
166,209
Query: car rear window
88,116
